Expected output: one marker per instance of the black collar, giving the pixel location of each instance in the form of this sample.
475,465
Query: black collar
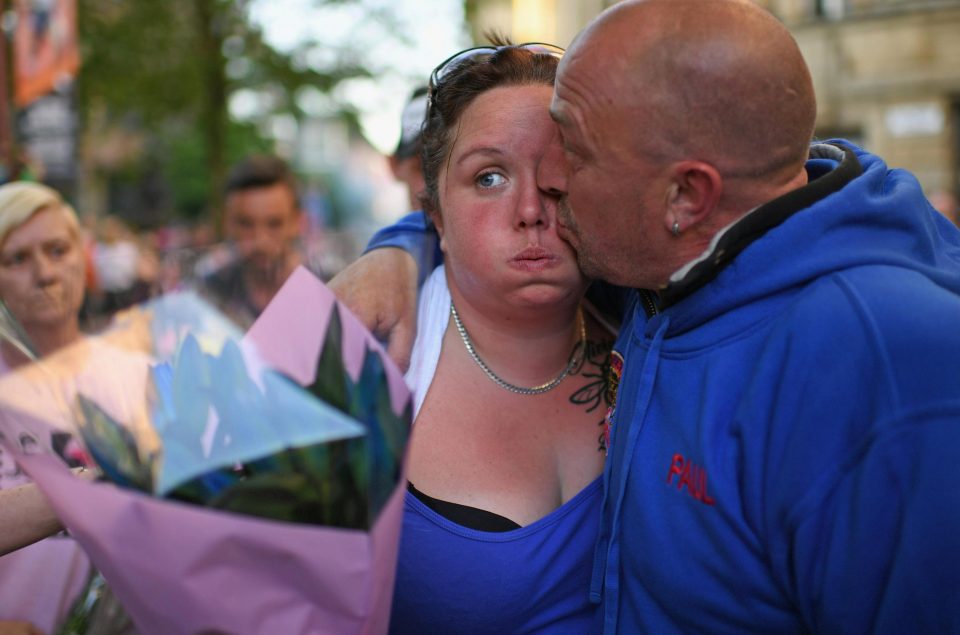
755,224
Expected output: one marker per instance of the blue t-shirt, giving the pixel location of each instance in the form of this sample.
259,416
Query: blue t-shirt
451,579
461,572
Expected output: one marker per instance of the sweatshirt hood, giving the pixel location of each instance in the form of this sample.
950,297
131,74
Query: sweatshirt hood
853,212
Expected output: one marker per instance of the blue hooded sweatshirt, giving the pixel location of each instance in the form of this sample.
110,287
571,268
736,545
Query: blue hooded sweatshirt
787,426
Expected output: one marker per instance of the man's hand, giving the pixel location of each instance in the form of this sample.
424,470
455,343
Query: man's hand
380,287
11,627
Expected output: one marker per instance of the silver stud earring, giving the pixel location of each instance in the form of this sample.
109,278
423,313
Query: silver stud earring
676,228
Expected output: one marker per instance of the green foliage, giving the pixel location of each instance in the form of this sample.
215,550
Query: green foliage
96,610
184,164
114,448
330,383
377,456
137,60
159,70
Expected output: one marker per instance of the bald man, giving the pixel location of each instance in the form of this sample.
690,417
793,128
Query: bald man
787,417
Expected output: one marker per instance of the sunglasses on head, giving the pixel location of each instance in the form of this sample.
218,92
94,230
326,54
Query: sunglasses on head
446,66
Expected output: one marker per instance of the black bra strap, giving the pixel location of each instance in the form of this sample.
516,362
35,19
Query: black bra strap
464,515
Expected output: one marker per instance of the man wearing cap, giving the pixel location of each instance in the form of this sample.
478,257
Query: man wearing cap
405,161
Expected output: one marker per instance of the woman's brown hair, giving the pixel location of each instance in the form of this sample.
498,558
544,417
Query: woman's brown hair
508,65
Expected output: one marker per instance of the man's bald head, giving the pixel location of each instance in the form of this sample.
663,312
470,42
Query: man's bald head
716,80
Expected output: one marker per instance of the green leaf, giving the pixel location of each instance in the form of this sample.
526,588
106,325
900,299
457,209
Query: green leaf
113,448
331,383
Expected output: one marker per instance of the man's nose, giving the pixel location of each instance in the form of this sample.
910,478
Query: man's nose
552,170
262,239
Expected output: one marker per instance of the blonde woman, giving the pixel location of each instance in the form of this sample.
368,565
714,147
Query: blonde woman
42,285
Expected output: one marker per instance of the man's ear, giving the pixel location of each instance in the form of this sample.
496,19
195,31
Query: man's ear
693,194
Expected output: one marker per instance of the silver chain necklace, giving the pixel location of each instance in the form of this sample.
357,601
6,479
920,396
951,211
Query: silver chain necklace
520,390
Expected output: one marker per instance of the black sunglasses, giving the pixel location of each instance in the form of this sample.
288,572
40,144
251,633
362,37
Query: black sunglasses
446,66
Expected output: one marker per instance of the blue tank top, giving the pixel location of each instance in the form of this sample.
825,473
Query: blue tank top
535,579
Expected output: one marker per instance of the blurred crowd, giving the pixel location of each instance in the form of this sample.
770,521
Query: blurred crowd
269,227
265,236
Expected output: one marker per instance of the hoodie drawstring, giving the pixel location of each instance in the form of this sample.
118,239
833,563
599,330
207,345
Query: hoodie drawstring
606,562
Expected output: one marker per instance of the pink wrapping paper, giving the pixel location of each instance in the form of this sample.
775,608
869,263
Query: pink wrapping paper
288,334
178,568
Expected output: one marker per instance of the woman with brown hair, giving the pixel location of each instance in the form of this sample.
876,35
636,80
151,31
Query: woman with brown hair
504,498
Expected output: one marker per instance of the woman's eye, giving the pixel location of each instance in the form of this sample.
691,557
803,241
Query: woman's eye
490,179
15,259
58,250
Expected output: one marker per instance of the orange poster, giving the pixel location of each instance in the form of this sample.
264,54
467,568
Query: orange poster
45,49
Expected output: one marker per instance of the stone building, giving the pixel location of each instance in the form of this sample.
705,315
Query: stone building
887,72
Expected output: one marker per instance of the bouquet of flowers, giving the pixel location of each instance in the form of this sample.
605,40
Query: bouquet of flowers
250,484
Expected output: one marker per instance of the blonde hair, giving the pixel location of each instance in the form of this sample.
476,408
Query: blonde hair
20,200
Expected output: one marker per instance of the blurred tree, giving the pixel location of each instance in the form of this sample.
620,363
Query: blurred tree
154,90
